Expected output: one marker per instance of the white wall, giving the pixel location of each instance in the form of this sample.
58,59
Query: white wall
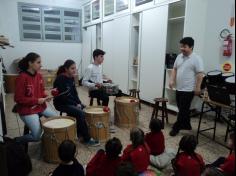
218,16
53,54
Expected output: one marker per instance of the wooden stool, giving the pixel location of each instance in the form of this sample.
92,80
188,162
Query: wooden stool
162,108
135,93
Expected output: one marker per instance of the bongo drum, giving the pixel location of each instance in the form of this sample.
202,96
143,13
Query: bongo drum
56,130
126,111
230,85
98,123
215,77
227,75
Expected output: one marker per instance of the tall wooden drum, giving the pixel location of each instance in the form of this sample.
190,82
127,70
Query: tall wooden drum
56,130
10,82
98,122
126,112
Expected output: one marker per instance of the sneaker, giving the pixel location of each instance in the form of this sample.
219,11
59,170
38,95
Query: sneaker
173,132
93,143
112,129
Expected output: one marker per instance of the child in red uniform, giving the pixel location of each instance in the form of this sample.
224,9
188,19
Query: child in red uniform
188,162
106,163
138,153
156,142
227,165
31,97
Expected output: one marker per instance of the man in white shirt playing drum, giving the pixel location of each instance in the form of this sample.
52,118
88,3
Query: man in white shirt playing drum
187,75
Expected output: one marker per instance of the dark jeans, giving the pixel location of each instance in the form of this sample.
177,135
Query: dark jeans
183,100
102,95
82,127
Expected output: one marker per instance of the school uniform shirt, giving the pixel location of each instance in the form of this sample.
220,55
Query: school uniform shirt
187,165
187,69
29,88
229,165
156,142
75,169
139,157
93,75
101,165
64,83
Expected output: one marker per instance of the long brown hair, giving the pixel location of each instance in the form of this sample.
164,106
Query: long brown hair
24,63
66,65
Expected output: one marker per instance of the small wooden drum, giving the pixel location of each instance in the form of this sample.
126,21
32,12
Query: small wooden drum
126,112
56,130
98,123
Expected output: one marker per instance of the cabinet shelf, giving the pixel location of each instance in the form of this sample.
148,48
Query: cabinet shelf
177,19
134,80
136,66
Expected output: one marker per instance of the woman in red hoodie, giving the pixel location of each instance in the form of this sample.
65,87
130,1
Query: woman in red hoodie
138,153
31,97
105,163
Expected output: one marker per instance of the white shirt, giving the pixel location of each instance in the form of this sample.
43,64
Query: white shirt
187,69
93,75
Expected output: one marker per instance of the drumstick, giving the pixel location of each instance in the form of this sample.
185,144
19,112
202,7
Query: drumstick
63,93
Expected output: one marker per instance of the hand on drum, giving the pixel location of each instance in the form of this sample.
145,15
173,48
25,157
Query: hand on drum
98,85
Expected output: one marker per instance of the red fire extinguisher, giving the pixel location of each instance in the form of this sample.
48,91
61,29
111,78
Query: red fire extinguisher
228,46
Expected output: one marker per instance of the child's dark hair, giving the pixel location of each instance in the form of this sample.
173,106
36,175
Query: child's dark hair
65,66
67,150
187,41
155,125
188,144
24,63
113,148
98,52
126,169
137,137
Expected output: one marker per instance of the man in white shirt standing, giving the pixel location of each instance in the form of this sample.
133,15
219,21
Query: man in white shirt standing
93,78
187,75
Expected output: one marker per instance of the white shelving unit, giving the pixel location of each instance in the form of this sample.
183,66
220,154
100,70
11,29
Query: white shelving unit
134,62
176,19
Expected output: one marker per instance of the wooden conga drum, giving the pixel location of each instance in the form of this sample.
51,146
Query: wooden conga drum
56,130
98,122
126,112
10,82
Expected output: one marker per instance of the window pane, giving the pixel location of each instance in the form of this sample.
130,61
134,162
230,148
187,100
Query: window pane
53,36
87,14
96,9
31,19
52,28
71,22
35,10
121,5
32,35
72,29
51,11
71,14
140,2
52,20
109,7
72,37
31,27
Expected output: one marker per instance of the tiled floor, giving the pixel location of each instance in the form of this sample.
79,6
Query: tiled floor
207,148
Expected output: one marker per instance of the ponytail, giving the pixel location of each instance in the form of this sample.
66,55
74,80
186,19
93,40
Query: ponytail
61,70
24,63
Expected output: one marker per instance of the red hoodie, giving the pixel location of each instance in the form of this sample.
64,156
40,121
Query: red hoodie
29,88
139,157
188,165
101,165
229,165
156,142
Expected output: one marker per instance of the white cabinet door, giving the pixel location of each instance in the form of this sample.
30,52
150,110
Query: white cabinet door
121,52
108,48
86,48
153,47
